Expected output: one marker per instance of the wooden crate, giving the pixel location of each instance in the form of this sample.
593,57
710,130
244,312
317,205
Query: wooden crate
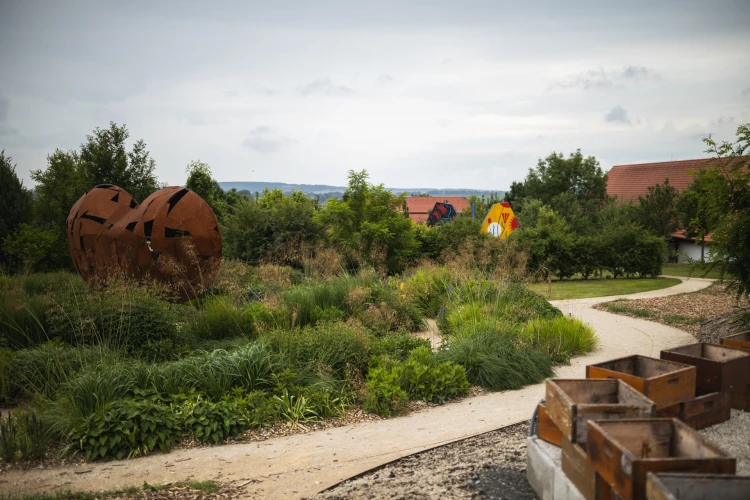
720,368
738,340
573,402
702,411
624,451
578,469
546,428
664,382
741,398
576,466
696,487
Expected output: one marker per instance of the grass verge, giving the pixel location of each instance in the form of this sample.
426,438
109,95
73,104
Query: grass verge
580,289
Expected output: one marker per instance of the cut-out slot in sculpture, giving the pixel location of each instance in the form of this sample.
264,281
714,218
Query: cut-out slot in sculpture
173,237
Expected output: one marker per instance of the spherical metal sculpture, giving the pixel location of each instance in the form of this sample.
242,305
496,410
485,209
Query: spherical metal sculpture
173,237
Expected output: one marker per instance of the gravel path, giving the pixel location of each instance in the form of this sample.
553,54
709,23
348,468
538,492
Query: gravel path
491,465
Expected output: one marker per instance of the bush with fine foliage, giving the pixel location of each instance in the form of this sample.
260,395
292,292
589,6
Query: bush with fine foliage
492,360
559,338
333,348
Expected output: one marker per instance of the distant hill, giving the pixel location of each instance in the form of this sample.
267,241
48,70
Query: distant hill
332,191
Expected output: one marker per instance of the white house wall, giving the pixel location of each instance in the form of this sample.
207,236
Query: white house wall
690,251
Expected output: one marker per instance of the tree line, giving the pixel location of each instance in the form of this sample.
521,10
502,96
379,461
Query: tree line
568,224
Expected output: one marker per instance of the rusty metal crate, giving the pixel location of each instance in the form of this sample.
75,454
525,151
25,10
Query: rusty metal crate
573,402
624,451
666,383
738,340
702,411
670,486
720,368
546,428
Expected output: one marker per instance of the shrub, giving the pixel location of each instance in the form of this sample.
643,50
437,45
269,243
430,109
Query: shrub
560,338
218,318
397,345
384,395
216,373
22,437
214,422
43,369
423,378
492,360
390,384
428,287
23,319
127,428
331,348
136,319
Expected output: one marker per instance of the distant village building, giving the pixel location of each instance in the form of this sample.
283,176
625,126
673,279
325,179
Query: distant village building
627,182
419,207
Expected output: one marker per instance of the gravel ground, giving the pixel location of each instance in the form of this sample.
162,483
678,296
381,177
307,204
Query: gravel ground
491,465
733,436
685,311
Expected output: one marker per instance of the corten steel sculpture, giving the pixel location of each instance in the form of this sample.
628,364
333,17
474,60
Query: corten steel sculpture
173,236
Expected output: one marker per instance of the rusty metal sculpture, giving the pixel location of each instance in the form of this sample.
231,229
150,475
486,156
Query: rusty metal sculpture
173,237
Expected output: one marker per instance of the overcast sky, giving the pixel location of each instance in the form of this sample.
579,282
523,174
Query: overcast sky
433,94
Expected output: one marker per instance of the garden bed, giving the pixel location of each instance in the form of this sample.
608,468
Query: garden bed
684,311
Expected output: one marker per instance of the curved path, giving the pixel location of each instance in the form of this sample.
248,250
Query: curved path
303,464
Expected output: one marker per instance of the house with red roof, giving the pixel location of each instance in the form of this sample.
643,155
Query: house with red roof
627,182
420,207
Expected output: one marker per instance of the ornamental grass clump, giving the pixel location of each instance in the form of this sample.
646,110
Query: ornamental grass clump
560,338
492,359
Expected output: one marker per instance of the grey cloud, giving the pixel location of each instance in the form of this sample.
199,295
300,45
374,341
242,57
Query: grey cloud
324,86
604,79
618,114
385,79
264,139
746,91
4,105
262,145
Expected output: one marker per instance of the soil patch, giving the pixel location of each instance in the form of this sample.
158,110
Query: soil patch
686,311
491,465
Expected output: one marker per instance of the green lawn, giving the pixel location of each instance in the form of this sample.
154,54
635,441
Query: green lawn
579,289
690,270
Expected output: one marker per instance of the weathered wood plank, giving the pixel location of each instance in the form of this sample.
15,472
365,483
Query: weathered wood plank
667,486
623,452
546,428
573,402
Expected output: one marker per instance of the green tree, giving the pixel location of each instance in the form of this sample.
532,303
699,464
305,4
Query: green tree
105,160
658,209
15,200
550,243
201,181
727,200
578,175
370,222
57,189
695,214
28,246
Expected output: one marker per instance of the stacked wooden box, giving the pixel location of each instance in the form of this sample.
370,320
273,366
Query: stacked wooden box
741,395
610,431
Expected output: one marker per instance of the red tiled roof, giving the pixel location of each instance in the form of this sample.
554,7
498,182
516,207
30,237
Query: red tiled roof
628,181
420,206
681,235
